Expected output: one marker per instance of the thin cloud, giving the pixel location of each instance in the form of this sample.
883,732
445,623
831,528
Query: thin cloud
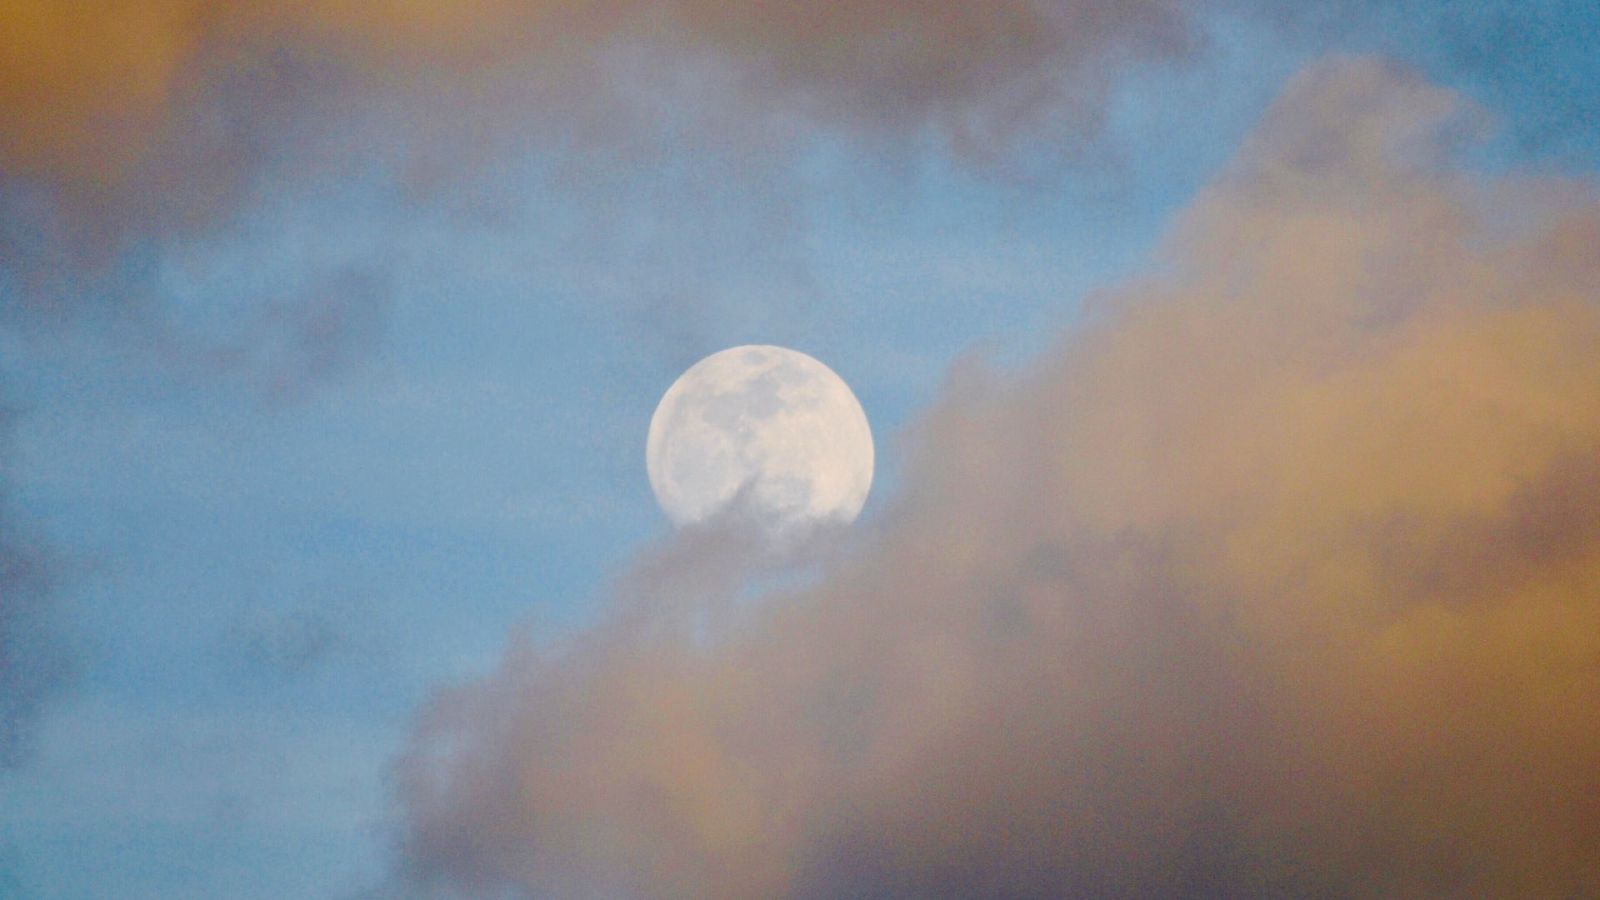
34,662
95,94
129,129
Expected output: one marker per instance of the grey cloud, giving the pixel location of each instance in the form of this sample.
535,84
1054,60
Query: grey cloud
35,664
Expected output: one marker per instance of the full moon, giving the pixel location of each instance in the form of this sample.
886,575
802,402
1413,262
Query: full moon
768,427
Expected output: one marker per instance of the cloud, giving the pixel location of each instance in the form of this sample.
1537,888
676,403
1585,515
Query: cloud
32,662
128,130
95,94
1530,59
1278,577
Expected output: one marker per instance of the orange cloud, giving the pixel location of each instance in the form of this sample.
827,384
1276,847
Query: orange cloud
1279,576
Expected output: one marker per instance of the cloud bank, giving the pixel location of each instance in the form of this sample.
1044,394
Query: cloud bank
1280,576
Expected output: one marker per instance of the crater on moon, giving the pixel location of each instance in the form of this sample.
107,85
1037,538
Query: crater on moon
767,429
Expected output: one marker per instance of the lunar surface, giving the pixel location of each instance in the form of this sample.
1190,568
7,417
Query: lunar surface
767,429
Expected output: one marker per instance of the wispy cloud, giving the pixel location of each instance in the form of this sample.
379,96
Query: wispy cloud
34,661
132,128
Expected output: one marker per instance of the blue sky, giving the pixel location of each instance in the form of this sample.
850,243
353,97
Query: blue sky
260,577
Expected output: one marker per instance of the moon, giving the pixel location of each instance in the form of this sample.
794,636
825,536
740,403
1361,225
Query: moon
767,427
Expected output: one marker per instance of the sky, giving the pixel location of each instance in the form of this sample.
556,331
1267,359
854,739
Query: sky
1234,375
